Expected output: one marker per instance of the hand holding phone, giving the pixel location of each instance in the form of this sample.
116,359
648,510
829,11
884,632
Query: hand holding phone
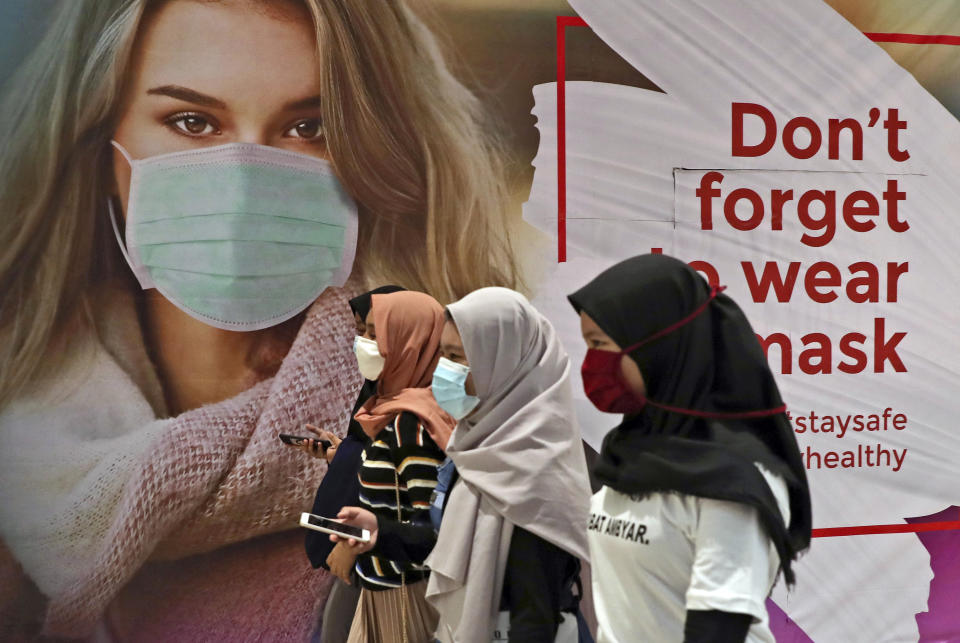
299,441
360,518
330,450
335,527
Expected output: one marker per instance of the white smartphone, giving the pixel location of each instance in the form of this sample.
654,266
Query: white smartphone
328,526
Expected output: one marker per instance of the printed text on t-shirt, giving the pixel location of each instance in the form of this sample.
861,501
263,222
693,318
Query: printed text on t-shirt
619,528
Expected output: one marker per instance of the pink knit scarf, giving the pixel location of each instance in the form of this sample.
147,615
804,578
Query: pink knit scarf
218,475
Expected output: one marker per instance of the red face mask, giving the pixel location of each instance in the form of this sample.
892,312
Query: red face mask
604,385
602,379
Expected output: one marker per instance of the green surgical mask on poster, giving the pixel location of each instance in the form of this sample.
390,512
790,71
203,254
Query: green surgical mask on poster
239,236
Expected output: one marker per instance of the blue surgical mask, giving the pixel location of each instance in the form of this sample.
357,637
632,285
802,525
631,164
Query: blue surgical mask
240,236
449,388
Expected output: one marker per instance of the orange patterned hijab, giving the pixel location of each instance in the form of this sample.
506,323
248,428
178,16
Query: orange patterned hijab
408,326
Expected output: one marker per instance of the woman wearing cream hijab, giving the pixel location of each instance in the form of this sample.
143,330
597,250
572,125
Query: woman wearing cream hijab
520,459
515,522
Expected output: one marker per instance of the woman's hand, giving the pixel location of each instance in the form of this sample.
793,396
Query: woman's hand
313,446
340,561
361,518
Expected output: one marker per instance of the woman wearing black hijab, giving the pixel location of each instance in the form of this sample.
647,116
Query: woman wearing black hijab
341,487
704,498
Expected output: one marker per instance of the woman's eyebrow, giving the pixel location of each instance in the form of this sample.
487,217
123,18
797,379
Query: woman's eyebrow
311,102
204,100
188,95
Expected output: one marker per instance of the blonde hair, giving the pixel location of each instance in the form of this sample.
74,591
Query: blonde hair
408,140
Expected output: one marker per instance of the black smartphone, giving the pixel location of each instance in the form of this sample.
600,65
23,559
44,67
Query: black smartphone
297,440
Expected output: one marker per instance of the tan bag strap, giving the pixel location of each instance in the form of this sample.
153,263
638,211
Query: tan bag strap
403,577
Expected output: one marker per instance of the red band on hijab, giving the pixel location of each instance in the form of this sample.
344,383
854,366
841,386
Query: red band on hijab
714,291
720,415
715,415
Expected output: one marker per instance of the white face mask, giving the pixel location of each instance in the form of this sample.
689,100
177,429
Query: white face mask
369,359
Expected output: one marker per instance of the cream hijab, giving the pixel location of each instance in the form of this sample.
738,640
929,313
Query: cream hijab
519,455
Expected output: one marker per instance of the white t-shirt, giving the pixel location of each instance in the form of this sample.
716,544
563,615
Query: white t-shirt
656,557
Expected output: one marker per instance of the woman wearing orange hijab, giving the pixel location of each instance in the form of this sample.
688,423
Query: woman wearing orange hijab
408,433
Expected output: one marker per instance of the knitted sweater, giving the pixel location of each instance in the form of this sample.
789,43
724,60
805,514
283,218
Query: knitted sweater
170,528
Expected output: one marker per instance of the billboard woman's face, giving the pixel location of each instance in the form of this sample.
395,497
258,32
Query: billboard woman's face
205,74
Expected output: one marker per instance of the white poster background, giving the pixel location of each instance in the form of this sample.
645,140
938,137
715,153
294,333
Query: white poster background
625,196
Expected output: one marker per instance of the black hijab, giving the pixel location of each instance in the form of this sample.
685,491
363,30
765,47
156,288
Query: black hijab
360,305
713,364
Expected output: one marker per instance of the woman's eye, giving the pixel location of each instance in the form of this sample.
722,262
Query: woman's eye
308,129
192,125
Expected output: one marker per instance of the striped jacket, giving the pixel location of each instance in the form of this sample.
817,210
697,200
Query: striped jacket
403,452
